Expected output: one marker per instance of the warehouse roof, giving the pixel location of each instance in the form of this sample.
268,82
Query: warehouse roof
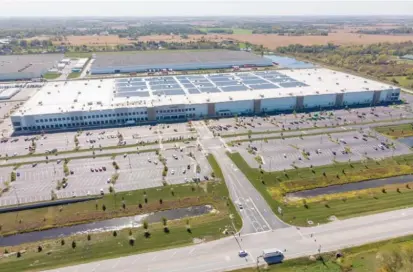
165,58
30,64
97,94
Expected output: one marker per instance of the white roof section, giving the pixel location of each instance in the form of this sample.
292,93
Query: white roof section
100,94
8,93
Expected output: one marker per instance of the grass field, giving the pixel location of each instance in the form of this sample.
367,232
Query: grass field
51,75
365,258
106,245
273,186
396,131
73,75
404,81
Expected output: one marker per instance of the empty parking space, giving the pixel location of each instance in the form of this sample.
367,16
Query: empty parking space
280,154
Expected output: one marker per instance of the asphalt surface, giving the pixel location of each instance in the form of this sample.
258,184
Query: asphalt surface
256,214
222,255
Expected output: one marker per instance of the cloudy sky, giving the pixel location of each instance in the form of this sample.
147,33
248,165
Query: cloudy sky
201,7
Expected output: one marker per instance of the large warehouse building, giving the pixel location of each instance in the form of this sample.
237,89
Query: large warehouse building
130,101
26,67
138,62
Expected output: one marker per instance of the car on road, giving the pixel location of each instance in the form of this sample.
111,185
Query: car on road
242,253
240,206
92,170
104,168
101,192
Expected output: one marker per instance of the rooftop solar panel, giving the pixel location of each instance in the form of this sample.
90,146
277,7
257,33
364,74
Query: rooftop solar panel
226,83
292,84
193,91
209,90
263,86
254,81
169,92
234,88
132,94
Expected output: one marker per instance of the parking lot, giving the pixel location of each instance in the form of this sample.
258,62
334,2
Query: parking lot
279,154
291,122
65,141
90,176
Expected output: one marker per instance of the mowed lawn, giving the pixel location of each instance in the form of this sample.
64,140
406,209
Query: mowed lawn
397,131
273,186
366,258
62,252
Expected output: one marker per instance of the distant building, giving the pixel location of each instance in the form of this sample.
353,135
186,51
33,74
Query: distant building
409,57
140,62
26,67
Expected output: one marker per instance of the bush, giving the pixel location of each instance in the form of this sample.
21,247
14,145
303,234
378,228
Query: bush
73,244
13,176
39,249
115,233
18,254
62,242
89,237
103,207
131,241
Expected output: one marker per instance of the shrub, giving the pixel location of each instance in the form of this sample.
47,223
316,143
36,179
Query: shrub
39,249
89,237
62,242
13,176
73,244
115,233
131,241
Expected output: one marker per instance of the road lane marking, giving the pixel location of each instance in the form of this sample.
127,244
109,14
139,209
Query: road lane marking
191,251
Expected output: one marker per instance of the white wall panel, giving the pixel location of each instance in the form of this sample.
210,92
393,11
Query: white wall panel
323,100
357,98
278,104
235,106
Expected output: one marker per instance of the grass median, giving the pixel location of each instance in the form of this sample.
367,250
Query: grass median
275,185
397,131
96,246
390,255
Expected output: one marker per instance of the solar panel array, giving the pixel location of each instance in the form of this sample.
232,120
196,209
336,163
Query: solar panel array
196,84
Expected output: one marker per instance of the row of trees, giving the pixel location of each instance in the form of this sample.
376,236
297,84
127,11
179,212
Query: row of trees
23,46
384,31
380,60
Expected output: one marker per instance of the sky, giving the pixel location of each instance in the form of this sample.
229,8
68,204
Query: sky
145,8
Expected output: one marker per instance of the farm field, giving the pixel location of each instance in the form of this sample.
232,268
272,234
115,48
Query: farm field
341,37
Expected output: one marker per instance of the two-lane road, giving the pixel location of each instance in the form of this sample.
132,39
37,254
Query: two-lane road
221,255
